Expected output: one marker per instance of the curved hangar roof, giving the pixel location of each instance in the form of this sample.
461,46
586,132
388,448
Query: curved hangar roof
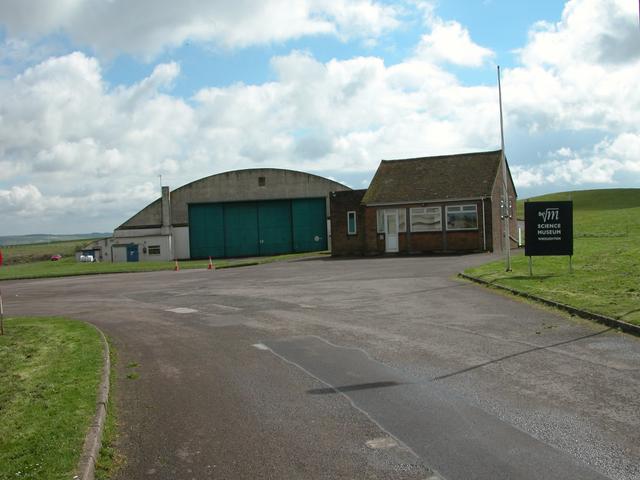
235,186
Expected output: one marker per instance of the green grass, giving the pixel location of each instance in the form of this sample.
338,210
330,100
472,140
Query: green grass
69,266
606,262
49,373
20,254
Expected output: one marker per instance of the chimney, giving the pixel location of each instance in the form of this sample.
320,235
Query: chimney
166,211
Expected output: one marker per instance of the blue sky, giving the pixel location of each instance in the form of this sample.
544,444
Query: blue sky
97,99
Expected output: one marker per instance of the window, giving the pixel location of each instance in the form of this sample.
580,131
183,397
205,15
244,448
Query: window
426,219
154,250
462,217
262,181
402,219
351,223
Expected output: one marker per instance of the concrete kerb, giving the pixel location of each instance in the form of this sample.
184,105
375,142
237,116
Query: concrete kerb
93,440
603,319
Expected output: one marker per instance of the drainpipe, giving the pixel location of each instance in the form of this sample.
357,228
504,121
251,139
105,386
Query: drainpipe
484,228
165,229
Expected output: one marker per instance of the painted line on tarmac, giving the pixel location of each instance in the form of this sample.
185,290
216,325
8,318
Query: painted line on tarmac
225,307
181,310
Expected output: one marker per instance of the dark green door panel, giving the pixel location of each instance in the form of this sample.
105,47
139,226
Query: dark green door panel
245,229
206,230
309,224
241,229
274,225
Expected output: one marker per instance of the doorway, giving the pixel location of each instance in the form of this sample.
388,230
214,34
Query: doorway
391,230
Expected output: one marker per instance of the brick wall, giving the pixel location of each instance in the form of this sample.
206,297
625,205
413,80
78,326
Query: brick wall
341,242
498,229
367,241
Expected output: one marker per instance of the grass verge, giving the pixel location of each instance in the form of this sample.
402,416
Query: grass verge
69,267
606,263
49,371
110,459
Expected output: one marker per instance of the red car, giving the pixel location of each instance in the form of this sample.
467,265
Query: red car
55,258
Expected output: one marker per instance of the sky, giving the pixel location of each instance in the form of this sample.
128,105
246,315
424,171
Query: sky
101,101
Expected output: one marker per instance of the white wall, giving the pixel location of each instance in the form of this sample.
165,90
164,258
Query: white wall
181,243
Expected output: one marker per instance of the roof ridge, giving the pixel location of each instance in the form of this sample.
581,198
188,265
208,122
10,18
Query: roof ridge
444,156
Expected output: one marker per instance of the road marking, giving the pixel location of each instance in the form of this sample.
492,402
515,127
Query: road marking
181,310
382,442
304,305
260,346
225,307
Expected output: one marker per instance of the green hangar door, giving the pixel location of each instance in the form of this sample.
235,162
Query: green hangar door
245,229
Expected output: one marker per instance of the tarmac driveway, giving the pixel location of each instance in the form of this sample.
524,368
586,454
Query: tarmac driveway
366,368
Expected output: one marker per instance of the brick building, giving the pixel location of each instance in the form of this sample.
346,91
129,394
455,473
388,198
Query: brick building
449,203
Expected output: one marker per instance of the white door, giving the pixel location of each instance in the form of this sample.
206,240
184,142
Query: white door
391,230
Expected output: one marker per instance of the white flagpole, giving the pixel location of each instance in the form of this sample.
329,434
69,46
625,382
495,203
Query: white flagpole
505,214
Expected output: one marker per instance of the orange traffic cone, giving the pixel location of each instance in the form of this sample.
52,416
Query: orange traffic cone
211,266
177,267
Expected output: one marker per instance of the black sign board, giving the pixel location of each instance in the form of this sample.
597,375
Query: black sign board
548,228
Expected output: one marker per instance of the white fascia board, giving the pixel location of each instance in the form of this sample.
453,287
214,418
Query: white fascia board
413,202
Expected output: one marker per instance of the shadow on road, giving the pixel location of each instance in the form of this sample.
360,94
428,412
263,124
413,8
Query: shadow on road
352,388
524,352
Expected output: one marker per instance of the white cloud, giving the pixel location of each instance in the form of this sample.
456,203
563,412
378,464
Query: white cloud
21,200
579,75
147,27
581,72
603,164
70,143
450,42
80,142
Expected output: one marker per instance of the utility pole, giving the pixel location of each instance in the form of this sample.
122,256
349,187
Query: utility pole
505,204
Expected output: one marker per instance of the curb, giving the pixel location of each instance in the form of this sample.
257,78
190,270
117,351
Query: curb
603,319
93,440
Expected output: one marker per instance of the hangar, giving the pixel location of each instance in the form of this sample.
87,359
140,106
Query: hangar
252,212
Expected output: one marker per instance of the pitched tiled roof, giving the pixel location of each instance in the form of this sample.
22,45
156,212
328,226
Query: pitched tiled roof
446,177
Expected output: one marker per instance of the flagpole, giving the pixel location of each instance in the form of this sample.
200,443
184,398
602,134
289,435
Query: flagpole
505,214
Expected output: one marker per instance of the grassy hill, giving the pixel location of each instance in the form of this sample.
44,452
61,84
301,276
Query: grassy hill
590,200
46,238
21,254
606,260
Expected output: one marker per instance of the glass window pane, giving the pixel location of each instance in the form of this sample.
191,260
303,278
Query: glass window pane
380,225
461,218
402,219
426,219
351,223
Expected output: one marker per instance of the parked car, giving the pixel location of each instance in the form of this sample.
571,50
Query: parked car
55,258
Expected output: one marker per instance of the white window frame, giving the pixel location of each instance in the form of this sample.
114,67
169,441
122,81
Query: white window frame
460,209
355,223
402,219
414,211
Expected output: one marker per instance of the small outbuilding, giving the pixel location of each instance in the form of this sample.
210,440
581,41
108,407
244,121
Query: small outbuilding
449,203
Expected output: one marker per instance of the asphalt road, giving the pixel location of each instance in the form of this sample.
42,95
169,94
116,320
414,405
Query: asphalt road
383,368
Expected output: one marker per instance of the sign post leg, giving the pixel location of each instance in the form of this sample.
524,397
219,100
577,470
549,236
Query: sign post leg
1,316
570,264
530,266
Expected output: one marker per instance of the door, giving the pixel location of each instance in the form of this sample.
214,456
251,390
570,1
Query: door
206,230
274,227
241,229
132,253
309,224
391,230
